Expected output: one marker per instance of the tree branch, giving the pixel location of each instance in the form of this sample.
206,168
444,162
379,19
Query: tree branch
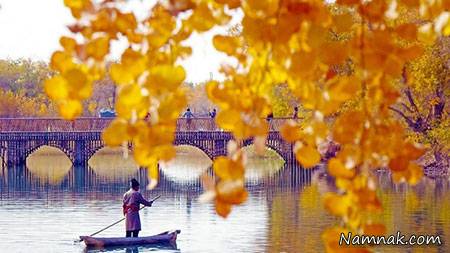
408,120
411,101
406,107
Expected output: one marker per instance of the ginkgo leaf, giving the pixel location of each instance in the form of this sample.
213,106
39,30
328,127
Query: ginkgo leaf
98,48
56,88
223,209
202,18
307,156
226,44
337,169
116,133
337,205
69,44
231,191
343,22
227,169
374,229
61,61
407,31
168,75
291,132
70,109
232,4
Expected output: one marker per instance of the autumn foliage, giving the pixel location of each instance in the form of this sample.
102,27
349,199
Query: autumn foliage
328,55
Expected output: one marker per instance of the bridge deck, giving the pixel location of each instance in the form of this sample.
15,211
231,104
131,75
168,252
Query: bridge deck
92,124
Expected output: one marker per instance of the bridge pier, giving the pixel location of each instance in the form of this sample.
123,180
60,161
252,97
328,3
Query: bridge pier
80,154
15,153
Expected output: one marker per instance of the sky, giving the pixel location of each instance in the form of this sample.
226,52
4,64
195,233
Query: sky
31,29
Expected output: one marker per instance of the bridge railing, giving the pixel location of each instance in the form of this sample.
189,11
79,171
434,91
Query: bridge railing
93,124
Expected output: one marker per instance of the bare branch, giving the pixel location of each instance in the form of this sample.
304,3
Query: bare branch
406,107
411,101
408,120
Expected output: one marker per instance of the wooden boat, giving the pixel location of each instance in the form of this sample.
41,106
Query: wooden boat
168,237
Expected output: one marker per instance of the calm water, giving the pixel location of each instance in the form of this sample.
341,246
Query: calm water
47,204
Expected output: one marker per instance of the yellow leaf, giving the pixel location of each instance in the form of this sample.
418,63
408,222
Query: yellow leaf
165,152
290,131
56,88
407,31
415,173
411,3
125,22
334,53
116,133
338,205
343,88
153,176
120,75
144,157
202,18
231,192
307,156
231,120
61,61
75,78
348,127
98,48
260,9
70,109
226,168
167,76
337,169
410,53
374,229
222,208
343,22
232,4
399,163
69,44
226,44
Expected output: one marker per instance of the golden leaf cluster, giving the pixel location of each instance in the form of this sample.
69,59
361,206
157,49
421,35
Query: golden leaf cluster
295,42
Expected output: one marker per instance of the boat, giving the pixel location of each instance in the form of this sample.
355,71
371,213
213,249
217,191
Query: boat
168,237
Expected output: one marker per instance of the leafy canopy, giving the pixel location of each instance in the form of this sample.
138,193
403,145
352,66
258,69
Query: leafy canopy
326,54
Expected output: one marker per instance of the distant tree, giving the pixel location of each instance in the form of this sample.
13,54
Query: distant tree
424,104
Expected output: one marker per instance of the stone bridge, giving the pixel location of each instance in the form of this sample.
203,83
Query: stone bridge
81,138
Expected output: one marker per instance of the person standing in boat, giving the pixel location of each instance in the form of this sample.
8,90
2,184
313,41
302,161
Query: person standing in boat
131,204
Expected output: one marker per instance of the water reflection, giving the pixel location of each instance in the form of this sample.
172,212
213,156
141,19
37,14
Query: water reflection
111,164
188,165
262,166
284,212
50,164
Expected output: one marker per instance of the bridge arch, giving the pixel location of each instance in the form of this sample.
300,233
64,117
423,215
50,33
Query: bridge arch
284,155
204,145
33,148
183,169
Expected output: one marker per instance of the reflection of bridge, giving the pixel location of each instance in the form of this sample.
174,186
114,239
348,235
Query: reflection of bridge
80,139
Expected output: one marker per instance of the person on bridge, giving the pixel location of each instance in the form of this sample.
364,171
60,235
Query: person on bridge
213,113
188,114
295,115
131,205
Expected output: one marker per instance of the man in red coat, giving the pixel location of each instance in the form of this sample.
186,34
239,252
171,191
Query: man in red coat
131,203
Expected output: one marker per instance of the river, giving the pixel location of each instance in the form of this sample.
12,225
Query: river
47,204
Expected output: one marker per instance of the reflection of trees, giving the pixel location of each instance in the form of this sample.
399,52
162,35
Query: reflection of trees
296,221
110,164
262,166
49,164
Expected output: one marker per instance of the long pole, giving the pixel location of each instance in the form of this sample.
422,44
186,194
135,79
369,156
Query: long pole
118,220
